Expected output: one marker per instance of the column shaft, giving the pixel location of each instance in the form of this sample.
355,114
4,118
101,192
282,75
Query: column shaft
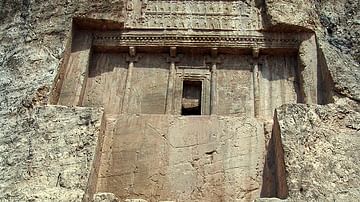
170,90
213,92
256,89
126,99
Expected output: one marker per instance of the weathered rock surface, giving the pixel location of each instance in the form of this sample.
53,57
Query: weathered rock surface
105,197
321,148
47,155
270,200
288,15
340,21
336,24
199,158
33,37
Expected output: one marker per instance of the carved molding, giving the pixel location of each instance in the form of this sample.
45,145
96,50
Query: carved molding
168,40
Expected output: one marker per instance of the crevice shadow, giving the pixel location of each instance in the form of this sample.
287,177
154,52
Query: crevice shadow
325,83
274,174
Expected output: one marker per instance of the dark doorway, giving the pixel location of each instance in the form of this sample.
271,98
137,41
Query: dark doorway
191,99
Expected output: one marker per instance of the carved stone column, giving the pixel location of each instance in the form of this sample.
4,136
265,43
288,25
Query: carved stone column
171,79
131,59
213,92
256,86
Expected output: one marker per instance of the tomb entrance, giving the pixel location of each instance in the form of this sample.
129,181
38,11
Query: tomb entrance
191,98
186,87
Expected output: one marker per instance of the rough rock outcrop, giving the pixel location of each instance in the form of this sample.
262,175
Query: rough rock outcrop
33,36
105,197
336,26
321,145
47,155
293,15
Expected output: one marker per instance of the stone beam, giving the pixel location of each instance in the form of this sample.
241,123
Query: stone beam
262,41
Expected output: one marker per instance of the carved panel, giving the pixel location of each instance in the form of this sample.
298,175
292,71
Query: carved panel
191,14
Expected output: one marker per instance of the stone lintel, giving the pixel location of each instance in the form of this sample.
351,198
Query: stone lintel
264,41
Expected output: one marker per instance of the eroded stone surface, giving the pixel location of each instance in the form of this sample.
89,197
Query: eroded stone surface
290,15
321,145
48,155
199,158
270,200
337,29
105,197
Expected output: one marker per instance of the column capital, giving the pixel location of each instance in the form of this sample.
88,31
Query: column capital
255,52
173,51
132,51
214,52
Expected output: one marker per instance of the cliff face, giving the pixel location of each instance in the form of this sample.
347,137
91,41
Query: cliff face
337,29
50,156
33,37
46,152
321,146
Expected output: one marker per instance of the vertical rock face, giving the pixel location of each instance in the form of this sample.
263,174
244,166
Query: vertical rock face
321,145
33,38
340,20
46,152
289,15
48,155
337,28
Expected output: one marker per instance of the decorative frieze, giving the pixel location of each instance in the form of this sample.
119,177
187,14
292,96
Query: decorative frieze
112,39
191,14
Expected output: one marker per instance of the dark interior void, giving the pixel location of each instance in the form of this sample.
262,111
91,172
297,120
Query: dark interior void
191,111
191,99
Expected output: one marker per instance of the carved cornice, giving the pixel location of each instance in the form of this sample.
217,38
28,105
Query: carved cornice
168,40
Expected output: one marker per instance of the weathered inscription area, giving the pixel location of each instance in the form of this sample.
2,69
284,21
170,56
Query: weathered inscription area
185,14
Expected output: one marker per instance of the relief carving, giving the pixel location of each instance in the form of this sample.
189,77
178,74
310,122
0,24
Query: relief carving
235,41
228,15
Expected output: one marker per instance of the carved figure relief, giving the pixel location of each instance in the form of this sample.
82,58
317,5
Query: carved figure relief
193,14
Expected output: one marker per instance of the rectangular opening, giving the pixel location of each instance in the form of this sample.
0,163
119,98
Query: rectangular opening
191,98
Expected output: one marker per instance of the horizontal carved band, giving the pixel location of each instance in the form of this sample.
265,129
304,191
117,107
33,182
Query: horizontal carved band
241,41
